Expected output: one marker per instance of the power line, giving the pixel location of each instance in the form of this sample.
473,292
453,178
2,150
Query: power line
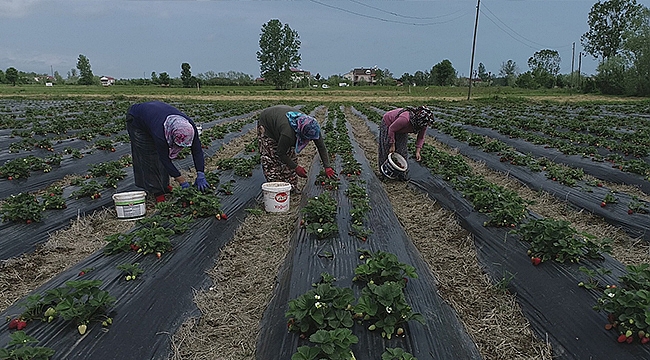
516,33
400,15
385,20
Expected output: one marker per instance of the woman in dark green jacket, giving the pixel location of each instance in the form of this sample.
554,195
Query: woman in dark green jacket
283,132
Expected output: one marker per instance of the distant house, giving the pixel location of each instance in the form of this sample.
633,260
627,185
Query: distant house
107,80
299,74
358,75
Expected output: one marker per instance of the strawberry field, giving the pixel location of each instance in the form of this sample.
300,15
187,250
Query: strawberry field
522,233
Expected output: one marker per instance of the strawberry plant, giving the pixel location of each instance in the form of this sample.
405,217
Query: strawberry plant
319,216
327,183
91,189
130,271
330,344
627,306
636,206
76,153
610,198
556,240
386,308
20,348
146,240
23,207
80,301
53,201
503,207
104,144
192,202
326,307
397,354
381,267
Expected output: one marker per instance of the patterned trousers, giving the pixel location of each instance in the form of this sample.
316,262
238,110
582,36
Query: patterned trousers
274,169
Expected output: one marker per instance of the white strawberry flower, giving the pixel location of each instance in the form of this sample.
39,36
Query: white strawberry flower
389,309
318,305
317,297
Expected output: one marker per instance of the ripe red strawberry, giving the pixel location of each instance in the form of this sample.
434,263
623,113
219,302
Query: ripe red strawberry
21,325
645,339
535,260
599,184
630,211
29,221
629,340
10,177
224,216
603,204
622,338
13,323
82,273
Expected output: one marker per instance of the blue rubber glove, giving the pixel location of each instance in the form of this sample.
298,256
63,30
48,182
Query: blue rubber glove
201,183
185,185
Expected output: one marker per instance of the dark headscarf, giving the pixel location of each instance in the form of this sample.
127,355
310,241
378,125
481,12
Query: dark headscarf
420,117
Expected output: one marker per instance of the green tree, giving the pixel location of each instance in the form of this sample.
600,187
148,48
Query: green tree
11,74
482,73
279,46
610,77
509,70
86,74
58,78
637,52
420,78
154,78
443,73
545,65
186,75
526,81
610,24
163,78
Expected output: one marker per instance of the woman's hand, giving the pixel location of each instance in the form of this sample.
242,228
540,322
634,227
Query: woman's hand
201,183
418,157
300,171
392,148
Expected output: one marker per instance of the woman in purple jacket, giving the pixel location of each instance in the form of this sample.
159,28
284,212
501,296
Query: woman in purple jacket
395,127
158,132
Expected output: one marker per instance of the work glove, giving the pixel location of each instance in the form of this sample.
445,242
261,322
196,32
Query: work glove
201,183
330,172
185,185
300,171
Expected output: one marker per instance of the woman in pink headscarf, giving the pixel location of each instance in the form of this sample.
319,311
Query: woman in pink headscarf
394,129
158,133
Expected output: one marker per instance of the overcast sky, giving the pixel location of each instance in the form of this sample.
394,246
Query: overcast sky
132,39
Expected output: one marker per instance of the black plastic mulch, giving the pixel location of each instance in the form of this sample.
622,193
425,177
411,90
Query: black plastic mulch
582,196
443,335
19,238
558,310
72,166
600,170
150,309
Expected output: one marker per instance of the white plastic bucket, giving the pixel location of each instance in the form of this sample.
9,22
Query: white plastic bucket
130,205
394,166
276,196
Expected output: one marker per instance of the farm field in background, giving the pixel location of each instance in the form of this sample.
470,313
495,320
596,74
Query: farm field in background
528,210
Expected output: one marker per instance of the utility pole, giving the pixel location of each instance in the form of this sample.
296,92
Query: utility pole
573,56
579,66
471,65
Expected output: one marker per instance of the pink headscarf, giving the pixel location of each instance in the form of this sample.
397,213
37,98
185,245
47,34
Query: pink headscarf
179,133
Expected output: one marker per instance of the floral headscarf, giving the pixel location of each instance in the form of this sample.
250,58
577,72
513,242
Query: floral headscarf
179,133
306,128
420,117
